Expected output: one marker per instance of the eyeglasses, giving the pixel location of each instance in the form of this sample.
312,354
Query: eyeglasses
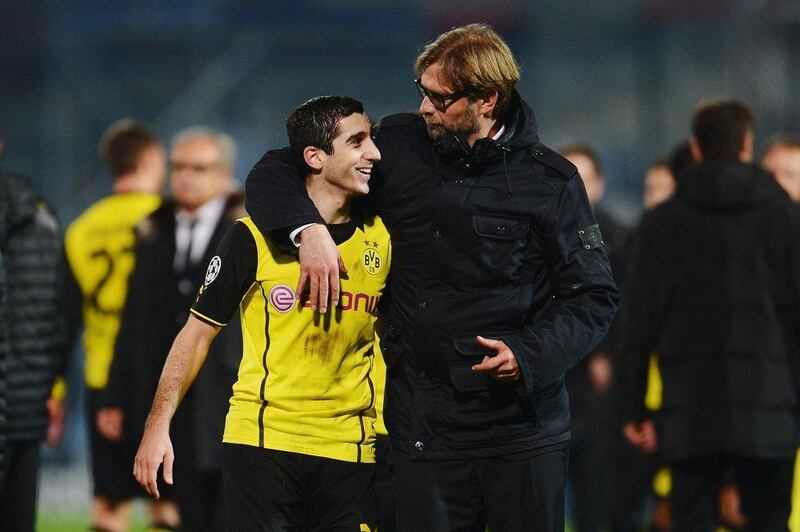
440,102
180,166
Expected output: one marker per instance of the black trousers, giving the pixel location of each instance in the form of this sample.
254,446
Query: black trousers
384,492
765,487
276,491
588,463
20,483
199,497
466,495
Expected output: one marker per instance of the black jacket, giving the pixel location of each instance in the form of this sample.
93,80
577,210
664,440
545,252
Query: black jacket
155,311
497,240
714,289
32,334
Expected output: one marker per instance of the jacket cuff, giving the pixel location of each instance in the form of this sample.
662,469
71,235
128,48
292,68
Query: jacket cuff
528,382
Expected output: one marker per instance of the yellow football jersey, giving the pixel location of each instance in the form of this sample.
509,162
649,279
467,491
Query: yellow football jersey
99,247
305,381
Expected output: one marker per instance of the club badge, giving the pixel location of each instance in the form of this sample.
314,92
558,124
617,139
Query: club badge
371,259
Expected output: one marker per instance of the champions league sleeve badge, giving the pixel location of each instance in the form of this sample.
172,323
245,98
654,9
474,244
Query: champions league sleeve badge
213,270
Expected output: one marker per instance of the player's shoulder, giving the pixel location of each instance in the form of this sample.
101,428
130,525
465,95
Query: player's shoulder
400,126
374,223
246,223
117,208
244,233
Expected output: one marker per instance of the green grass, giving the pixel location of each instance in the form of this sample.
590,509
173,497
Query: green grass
55,522
76,522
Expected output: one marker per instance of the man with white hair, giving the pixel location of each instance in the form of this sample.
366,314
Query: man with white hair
173,245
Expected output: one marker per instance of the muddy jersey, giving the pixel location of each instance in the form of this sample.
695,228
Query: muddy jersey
305,381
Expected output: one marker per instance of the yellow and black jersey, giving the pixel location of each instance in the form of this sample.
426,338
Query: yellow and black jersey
99,247
304,383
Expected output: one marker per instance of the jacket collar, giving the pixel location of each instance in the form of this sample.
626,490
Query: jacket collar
519,133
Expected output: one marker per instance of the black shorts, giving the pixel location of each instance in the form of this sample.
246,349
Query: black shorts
112,462
276,491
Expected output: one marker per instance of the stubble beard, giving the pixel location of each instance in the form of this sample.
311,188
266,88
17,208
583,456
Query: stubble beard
465,125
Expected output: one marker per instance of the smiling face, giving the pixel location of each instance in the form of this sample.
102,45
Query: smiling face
459,116
349,166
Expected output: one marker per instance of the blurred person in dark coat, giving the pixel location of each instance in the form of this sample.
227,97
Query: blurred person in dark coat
32,344
589,381
99,249
782,159
714,289
173,246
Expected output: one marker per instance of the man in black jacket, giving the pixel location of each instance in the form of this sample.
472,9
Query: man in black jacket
32,343
500,284
173,246
714,289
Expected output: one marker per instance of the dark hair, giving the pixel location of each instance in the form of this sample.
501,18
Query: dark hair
316,122
680,159
581,148
123,143
719,127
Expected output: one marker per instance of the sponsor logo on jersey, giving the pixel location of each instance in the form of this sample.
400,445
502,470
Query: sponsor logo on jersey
282,298
371,259
213,270
354,302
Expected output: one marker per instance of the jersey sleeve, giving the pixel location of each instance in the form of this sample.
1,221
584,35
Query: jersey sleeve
230,274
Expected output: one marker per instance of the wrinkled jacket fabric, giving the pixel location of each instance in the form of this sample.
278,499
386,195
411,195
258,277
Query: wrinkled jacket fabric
714,289
493,240
32,339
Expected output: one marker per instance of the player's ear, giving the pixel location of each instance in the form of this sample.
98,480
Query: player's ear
487,102
313,157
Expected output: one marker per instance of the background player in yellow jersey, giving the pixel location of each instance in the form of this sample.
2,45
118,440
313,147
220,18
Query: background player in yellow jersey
99,248
299,435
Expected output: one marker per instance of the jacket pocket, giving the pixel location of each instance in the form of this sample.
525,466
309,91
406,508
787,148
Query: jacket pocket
468,353
496,253
497,228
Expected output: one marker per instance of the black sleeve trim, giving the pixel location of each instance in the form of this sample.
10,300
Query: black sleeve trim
230,275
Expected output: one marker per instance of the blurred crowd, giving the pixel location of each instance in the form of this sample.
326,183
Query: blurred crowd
123,275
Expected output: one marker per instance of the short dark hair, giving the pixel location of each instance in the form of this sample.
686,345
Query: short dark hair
680,159
582,148
123,143
719,127
316,122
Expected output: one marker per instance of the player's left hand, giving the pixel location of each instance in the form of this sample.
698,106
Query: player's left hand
155,448
500,367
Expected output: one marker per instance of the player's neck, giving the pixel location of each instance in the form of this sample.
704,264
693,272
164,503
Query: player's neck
132,183
332,202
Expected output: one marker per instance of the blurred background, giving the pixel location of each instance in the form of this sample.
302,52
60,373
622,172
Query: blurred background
622,75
